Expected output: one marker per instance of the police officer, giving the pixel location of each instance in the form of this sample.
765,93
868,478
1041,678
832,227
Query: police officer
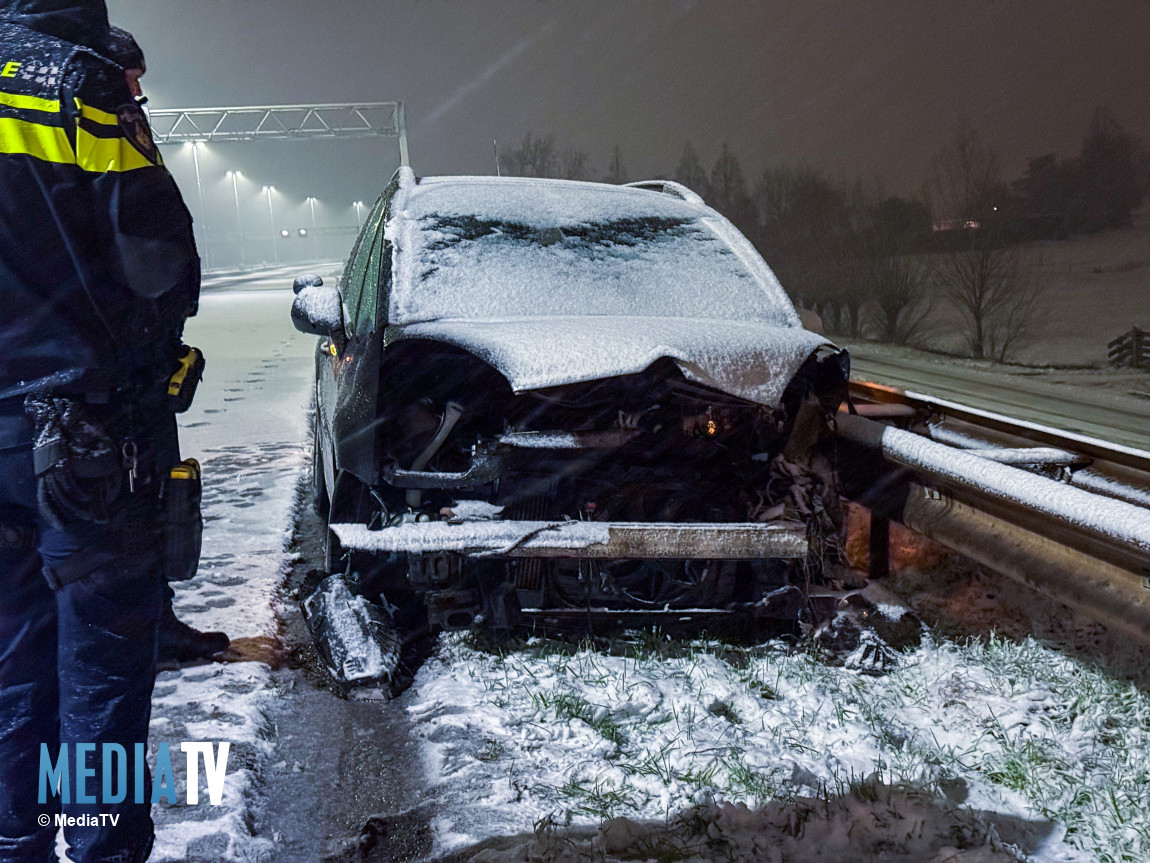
123,48
98,270
178,642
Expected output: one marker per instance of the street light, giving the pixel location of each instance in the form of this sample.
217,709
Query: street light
358,214
195,145
272,220
235,176
314,251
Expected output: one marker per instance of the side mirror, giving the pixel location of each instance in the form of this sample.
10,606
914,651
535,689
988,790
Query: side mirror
306,280
318,311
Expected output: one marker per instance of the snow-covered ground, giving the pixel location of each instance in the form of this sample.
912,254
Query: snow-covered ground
248,428
1010,736
1008,747
1094,290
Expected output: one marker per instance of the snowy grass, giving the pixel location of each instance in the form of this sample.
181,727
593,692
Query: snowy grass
1079,755
550,733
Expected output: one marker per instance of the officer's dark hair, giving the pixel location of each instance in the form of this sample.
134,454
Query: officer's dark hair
124,50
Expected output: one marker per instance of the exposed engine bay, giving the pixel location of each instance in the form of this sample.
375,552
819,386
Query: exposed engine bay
455,446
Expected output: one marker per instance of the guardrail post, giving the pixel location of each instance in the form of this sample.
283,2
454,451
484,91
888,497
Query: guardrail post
879,562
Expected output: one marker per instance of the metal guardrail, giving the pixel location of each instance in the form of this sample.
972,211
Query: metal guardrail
1087,550
1115,470
1137,461
1112,530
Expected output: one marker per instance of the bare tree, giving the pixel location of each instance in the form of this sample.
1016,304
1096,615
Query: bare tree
898,281
900,302
535,157
616,173
729,191
1112,171
965,178
805,232
574,165
983,277
993,287
691,172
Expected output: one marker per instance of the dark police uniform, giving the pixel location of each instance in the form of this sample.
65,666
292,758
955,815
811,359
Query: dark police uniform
98,271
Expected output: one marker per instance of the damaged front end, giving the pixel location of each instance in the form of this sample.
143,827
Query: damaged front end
635,499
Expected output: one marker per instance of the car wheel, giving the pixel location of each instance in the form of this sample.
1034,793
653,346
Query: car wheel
320,502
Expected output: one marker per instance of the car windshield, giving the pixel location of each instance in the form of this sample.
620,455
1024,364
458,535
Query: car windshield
578,256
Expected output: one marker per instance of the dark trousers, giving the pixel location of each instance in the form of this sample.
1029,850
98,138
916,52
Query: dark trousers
77,664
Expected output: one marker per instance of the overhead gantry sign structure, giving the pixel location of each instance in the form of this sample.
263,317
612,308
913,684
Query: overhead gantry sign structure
282,122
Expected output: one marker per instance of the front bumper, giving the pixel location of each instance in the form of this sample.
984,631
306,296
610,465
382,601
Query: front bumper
584,539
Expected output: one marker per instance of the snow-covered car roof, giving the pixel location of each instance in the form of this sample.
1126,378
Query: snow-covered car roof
556,281
505,247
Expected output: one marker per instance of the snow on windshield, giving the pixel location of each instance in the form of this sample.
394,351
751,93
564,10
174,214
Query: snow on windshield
486,248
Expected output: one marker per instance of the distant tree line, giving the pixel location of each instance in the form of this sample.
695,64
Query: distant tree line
874,265
1094,191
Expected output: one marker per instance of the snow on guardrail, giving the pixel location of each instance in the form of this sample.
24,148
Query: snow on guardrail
1115,520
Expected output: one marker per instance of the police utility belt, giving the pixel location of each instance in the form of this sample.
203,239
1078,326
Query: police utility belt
180,492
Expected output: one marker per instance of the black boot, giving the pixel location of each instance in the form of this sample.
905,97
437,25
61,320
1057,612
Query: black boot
182,643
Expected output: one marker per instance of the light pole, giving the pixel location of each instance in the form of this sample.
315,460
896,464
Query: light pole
314,250
272,219
359,214
235,176
195,145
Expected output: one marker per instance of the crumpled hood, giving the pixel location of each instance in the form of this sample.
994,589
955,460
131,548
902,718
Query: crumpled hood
84,22
748,359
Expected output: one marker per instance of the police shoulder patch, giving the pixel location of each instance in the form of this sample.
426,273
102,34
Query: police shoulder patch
135,127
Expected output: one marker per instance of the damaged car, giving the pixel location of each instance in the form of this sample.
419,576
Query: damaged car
566,405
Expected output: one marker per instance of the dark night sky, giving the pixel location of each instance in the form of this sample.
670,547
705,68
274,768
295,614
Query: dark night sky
869,87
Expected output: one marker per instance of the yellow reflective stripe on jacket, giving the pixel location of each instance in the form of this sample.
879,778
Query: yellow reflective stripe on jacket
30,103
50,143
107,154
96,115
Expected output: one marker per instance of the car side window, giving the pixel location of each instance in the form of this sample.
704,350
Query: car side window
357,265
378,278
365,315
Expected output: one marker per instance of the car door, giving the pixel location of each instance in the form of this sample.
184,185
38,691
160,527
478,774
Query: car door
331,352
355,366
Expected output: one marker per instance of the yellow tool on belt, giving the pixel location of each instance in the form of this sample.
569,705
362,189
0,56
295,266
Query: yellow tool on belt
183,521
182,385
189,469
